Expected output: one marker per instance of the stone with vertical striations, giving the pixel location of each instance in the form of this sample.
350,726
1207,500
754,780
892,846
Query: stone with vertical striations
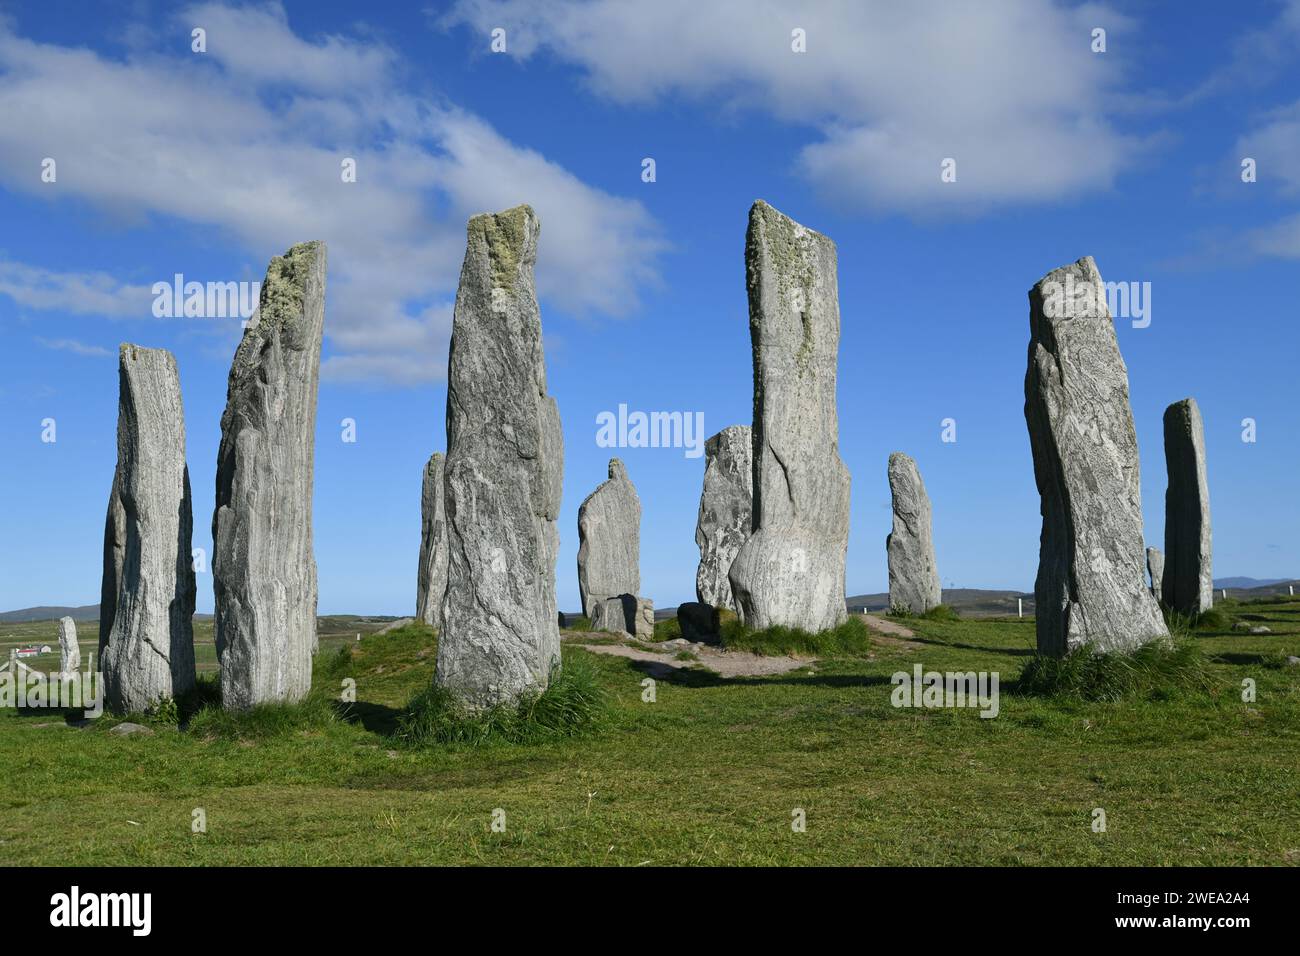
432,579
723,523
1090,586
1188,582
1156,570
790,571
263,565
609,540
504,474
913,576
146,637
69,649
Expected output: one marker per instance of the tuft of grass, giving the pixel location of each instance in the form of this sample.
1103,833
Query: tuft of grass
940,612
577,623
850,637
1158,669
572,704
667,630
315,712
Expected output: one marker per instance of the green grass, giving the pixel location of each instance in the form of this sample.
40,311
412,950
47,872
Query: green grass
851,637
572,704
1158,669
708,773
666,630
940,612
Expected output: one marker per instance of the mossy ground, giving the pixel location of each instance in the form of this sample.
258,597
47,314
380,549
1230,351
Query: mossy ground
710,772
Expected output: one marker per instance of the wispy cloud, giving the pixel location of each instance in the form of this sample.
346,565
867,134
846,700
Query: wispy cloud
248,139
79,293
1011,90
77,348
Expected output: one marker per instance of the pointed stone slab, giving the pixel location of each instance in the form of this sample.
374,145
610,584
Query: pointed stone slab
913,575
146,637
432,579
1188,582
1156,571
504,474
69,649
1090,586
609,540
791,569
726,505
263,565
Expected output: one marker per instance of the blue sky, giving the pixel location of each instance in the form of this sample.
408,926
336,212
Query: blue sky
207,164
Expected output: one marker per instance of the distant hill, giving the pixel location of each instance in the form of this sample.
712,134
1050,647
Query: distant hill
970,602
87,612
1249,583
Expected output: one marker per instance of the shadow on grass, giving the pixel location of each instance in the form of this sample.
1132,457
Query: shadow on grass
1010,651
376,718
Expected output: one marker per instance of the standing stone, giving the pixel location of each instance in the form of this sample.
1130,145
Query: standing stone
1156,571
913,576
263,567
791,569
1188,582
624,614
146,637
432,583
69,649
504,474
1090,586
609,540
726,502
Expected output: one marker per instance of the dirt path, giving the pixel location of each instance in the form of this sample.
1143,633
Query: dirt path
885,626
723,663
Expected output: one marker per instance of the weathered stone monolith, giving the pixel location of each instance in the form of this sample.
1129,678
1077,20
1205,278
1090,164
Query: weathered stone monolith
432,579
504,474
726,503
1188,585
146,637
624,614
69,649
790,571
609,540
263,566
1156,571
1090,586
913,575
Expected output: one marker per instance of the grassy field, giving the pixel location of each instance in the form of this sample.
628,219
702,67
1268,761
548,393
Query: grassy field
711,772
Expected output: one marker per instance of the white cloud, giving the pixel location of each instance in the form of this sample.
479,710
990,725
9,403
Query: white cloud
77,348
248,140
80,293
1009,89
1275,147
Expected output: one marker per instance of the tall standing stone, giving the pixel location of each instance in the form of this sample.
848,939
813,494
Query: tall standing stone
263,566
1156,571
791,569
609,540
1090,586
724,520
432,580
913,575
69,649
146,637
504,474
1188,585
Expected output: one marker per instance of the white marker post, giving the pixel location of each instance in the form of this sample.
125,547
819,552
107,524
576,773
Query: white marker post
1020,607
